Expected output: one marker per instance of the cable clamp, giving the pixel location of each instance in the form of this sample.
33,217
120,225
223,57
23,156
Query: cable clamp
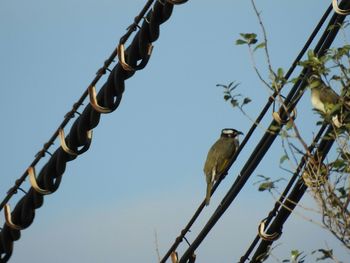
8,218
276,116
34,183
338,10
126,66
70,151
264,236
94,103
174,257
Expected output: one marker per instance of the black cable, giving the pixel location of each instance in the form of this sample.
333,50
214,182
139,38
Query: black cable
262,147
323,150
334,21
292,200
109,97
178,240
278,203
75,107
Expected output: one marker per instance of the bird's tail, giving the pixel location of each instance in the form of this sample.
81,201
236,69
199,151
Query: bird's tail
207,197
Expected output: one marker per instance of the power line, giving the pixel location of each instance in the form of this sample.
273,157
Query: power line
266,141
134,58
131,59
293,198
278,203
291,201
75,108
271,99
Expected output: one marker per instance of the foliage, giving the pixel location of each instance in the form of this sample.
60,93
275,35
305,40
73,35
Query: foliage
295,257
266,184
331,182
328,181
235,99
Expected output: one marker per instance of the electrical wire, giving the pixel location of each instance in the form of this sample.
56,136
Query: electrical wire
262,250
271,99
74,109
265,143
292,200
278,203
107,100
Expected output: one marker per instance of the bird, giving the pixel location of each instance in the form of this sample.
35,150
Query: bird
219,157
325,99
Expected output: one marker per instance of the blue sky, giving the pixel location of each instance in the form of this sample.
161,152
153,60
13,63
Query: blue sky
143,172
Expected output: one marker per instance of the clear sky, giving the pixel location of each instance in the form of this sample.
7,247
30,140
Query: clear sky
143,172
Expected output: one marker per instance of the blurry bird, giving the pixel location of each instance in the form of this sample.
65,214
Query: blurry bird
219,157
324,99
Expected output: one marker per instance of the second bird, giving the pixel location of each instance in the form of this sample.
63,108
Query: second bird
219,157
324,99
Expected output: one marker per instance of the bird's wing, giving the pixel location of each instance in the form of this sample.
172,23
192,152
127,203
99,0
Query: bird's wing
223,165
219,156
224,160
329,96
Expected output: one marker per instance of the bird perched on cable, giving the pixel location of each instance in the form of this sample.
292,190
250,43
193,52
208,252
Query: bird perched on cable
325,100
219,157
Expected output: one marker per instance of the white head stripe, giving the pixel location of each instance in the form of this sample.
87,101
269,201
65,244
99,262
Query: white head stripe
228,131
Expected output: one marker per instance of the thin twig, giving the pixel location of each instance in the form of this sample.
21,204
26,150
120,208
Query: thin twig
265,38
156,244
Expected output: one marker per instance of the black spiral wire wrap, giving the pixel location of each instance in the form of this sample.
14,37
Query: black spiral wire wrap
109,96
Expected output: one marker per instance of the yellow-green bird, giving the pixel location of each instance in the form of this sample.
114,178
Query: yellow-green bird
219,157
324,99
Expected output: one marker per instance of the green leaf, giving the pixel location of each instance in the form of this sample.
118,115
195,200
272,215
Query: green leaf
234,87
284,158
325,254
253,41
310,54
264,177
295,253
338,163
289,125
266,186
250,38
227,97
246,101
280,73
234,103
261,45
231,83
342,192
241,42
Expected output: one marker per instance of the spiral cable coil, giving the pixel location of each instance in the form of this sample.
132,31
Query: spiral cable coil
79,138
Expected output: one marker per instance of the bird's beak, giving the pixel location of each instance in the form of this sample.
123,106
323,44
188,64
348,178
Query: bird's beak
240,133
